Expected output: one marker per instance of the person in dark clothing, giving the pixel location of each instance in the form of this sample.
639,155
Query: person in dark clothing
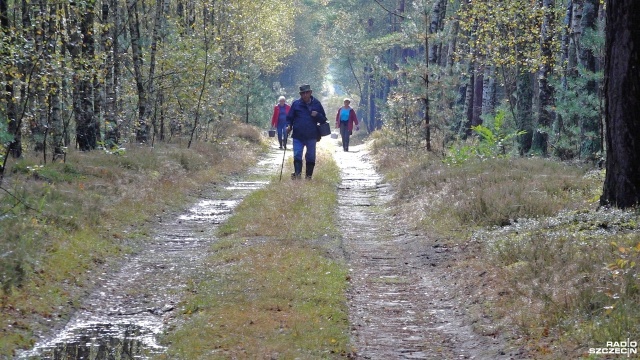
303,119
279,120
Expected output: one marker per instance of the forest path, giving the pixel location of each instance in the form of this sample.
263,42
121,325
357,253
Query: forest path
399,304
127,309
400,300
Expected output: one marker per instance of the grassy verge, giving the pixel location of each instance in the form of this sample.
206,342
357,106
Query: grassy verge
538,261
61,223
276,284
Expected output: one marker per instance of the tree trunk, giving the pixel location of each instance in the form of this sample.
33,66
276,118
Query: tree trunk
465,128
142,129
55,117
87,127
545,95
524,104
574,39
489,90
112,123
203,88
590,125
372,98
436,24
364,100
451,47
425,96
39,124
622,87
15,146
566,39
478,86
155,38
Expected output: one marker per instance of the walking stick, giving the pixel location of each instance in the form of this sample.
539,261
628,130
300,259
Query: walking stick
284,152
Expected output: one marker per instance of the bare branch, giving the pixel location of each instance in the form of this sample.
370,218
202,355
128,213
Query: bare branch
389,11
20,201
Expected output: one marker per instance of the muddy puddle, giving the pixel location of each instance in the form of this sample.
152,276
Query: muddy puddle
123,317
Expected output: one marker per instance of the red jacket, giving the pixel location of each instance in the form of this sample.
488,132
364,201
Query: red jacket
352,119
276,114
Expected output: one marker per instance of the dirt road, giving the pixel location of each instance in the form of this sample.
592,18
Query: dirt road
399,300
122,317
400,303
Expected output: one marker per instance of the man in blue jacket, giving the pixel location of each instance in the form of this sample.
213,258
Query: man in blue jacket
303,119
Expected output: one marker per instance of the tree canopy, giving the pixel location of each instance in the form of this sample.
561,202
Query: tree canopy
99,74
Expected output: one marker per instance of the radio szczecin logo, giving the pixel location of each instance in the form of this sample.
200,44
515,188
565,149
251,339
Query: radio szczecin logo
617,347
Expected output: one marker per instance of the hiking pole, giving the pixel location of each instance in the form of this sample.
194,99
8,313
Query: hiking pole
284,152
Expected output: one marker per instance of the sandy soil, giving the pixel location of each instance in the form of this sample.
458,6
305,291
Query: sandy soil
402,304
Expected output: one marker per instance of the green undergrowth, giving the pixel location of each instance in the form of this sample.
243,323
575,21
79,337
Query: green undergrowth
574,279
455,200
276,280
540,263
290,209
62,222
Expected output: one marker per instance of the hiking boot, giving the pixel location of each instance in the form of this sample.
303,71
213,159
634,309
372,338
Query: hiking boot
295,176
297,167
309,170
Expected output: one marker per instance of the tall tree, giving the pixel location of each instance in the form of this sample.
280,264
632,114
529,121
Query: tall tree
142,128
14,135
436,25
81,46
111,70
55,122
545,90
622,94
590,125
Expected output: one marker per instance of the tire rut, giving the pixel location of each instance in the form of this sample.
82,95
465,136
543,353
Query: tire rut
125,312
400,304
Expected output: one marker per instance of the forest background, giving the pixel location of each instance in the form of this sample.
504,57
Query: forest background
462,81
97,74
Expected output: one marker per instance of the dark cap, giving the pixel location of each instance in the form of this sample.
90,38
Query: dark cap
305,88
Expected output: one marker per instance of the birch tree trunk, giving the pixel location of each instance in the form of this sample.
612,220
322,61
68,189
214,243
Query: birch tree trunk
489,90
55,120
436,24
451,47
39,128
467,94
112,76
546,91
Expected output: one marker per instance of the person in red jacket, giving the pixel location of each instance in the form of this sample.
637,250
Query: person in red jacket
345,119
279,120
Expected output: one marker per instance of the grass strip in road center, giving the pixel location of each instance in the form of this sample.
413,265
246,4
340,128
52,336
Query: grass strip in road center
274,286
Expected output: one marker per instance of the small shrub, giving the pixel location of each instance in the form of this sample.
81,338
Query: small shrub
245,132
14,255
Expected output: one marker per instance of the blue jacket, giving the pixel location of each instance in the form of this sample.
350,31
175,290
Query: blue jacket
304,125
